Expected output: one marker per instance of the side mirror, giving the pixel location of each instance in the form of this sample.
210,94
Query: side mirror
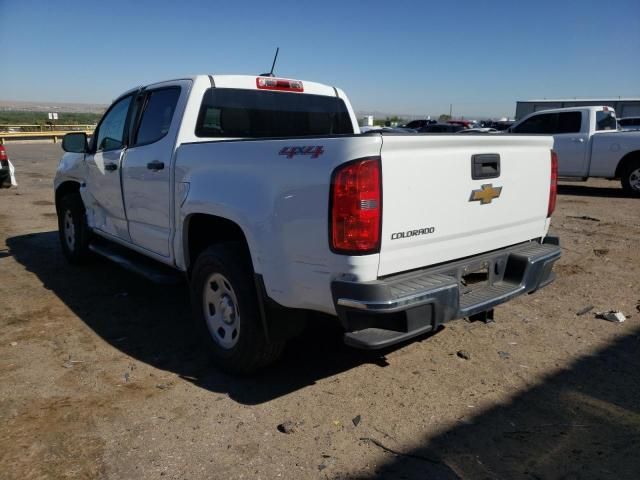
75,142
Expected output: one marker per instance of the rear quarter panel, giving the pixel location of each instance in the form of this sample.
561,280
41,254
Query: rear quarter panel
608,148
282,205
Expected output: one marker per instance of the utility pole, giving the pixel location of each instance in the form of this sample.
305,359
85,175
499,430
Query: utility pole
451,111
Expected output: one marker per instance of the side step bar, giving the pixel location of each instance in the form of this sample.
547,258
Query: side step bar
137,263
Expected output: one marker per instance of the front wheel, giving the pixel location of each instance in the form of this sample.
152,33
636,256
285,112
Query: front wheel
72,228
227,316
630,178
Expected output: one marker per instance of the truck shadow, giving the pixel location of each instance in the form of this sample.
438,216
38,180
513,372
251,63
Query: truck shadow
590,191
152,324
580,423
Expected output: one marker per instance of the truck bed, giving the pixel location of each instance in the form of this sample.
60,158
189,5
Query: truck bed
427,186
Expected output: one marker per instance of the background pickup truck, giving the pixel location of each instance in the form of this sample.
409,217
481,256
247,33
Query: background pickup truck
265,196
588,144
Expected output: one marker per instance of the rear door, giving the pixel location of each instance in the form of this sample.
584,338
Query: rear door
147,170
434,210
102,194
571,142
570,132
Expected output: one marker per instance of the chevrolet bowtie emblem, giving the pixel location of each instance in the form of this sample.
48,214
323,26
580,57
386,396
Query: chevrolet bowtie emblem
485,194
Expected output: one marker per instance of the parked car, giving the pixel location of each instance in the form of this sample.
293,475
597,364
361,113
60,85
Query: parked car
260,192
588,144
479,130
416,124
7,176
441,128
386,130
462,123
500,125
629,123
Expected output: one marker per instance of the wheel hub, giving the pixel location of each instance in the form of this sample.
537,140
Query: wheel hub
228,310
220,307
69,230
634,179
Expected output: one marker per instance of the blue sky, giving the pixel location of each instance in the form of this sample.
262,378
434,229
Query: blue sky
398,57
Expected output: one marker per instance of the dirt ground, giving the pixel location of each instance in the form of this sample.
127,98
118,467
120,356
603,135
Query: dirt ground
100,376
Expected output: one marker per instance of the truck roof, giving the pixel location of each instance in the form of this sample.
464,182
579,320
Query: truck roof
249,82
605,99
596,108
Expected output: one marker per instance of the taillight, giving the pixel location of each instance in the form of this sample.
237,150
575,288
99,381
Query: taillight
356,207
270,83
553,190
3,153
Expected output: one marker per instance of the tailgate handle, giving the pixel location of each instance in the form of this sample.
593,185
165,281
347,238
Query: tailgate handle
486,165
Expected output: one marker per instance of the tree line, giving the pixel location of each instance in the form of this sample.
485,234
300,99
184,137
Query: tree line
13,117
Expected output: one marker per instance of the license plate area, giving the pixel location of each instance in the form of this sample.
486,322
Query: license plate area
473,276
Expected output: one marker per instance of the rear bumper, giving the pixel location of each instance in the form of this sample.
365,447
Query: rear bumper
393,309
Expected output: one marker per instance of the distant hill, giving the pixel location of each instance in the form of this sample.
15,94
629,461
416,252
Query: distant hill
68,107
14,117
59,107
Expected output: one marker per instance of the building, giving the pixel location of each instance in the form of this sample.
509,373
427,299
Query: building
366,121
624,107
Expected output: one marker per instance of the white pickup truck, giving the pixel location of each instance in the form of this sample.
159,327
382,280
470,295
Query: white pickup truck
588,144
263,194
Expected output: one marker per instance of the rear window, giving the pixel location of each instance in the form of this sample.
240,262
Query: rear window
236,113
606,120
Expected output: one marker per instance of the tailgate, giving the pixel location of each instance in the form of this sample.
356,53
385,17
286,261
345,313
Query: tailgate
427,184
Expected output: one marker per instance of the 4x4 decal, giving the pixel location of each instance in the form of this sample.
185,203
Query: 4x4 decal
315,151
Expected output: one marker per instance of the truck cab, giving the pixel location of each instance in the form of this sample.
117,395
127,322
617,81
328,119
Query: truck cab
571,129
588,143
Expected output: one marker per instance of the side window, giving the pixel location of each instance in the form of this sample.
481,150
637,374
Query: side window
605,120
111,130
157,115
542,123
569,122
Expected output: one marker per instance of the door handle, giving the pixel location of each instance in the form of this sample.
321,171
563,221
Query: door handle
155,165
110,167
578,140
485,165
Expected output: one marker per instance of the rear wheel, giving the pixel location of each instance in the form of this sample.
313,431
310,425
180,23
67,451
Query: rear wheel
227,316
72,228
630,178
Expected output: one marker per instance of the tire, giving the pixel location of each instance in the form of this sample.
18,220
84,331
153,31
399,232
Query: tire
73,230
630,178
226,311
